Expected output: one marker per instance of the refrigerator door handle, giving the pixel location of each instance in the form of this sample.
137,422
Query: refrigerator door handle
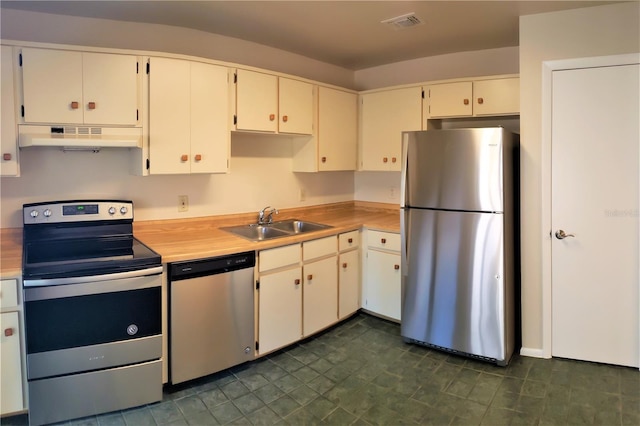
404,242
403,173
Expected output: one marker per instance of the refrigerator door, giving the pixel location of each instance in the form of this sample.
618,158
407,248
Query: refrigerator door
459,169
453,288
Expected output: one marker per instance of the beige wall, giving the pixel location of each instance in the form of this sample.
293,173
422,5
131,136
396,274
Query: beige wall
594,31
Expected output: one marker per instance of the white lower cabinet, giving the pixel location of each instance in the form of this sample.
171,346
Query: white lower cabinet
11,377
303,289
381,294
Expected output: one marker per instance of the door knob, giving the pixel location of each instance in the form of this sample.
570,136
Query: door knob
561,235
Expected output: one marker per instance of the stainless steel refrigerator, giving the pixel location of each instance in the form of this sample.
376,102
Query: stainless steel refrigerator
458,241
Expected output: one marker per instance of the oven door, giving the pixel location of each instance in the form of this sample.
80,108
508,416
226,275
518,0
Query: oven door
92,325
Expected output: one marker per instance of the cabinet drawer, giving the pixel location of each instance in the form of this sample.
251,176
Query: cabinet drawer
348,240
8,293
279,257
383,240
318,248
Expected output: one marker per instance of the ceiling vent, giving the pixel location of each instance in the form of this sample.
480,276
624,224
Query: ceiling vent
402,22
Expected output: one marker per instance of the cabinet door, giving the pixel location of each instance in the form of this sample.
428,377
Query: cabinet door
8,133
295,106
337,129
450,99
210,133
52,82
349,283
385,115
11,365
383,295
320,295
496,97
280,309
256,101
110,89
169,116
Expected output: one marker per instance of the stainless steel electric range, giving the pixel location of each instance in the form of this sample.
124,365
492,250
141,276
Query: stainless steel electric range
92,307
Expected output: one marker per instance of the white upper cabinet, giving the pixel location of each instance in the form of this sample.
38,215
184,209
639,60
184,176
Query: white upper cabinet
188,117
337,129
295,106
8,133
496,97
487,97
267,103
68,87
384,116
450,99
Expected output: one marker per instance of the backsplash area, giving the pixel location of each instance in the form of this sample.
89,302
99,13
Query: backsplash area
260,175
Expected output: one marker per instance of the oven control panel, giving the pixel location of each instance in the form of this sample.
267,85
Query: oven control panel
76,211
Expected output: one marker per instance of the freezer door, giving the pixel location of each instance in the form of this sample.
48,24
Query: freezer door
453,288
460,169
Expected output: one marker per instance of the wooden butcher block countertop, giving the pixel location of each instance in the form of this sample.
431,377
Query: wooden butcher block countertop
189,239
198,238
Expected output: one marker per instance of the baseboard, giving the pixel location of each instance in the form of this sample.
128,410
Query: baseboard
531,352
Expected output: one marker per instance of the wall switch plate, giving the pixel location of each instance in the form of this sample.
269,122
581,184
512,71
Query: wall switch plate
302,195
183,203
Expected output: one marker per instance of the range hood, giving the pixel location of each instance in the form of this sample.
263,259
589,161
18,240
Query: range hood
90,138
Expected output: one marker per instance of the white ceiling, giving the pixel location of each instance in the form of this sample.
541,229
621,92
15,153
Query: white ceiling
344,33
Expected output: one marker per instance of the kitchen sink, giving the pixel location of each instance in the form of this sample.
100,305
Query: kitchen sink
284,228
295,226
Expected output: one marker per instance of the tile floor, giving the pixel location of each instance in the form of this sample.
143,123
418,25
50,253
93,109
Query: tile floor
360,372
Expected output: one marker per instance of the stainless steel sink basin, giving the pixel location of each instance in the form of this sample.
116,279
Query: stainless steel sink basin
256,232
296,226
278,229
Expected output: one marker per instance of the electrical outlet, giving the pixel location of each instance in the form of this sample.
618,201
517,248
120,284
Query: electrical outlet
302,195
392,193
183,203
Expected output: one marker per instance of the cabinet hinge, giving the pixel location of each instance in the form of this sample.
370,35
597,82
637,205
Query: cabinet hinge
20,59
257,346
235,119
137,114
148,164
257,284
22,110
148,67
137,67
235,77
422,94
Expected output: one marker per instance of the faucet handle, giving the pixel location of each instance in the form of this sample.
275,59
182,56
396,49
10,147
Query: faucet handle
270,217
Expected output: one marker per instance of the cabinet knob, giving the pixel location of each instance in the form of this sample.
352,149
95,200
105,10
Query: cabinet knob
323,159
74,105
350,240
8,332
393,159
480,100
91,105
6,156
466,102
385,160
396,267
272,117
198,157
184,157
383,240
309,277
285,118
297,281
344,265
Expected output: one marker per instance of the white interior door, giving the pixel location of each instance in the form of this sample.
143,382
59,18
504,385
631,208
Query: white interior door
594,184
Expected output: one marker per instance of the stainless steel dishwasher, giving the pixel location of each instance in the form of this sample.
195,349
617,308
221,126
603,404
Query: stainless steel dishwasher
211,315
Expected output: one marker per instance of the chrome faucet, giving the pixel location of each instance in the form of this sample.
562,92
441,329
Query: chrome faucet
269,219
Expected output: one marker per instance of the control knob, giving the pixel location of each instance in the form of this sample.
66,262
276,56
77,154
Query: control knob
34,213
47,213
112,211
123,210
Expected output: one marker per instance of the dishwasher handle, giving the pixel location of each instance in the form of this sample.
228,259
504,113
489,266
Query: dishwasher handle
211,266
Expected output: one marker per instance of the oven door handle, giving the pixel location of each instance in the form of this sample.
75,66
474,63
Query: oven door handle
80,286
